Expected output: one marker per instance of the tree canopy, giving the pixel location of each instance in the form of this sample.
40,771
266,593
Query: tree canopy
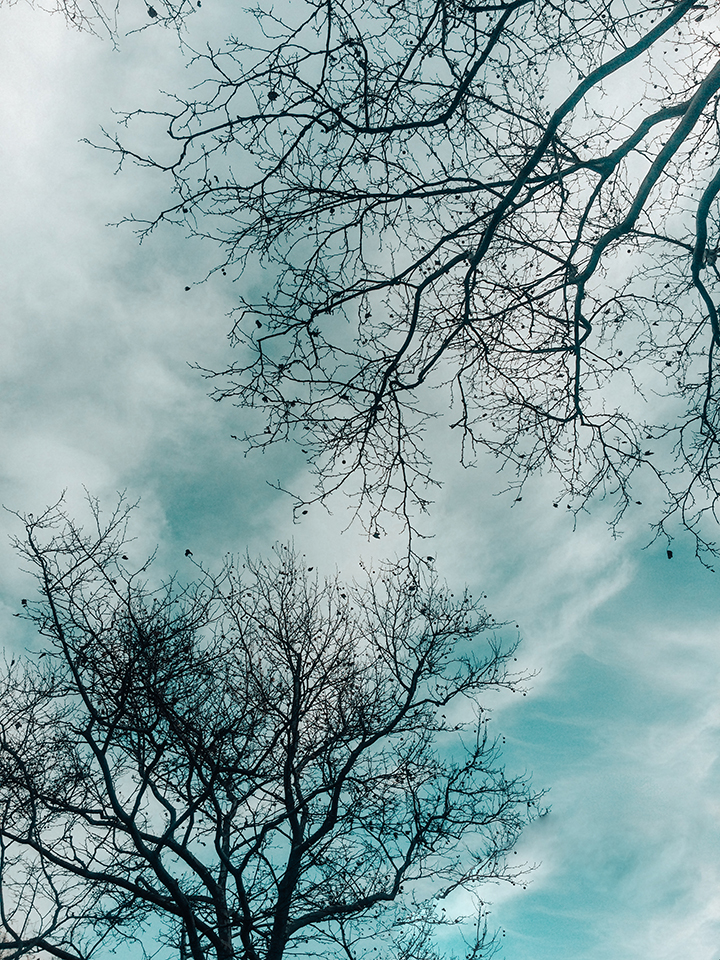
256,764
506,212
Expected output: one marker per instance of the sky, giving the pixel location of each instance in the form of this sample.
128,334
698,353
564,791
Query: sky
622,720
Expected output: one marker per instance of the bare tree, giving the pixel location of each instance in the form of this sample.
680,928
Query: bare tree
512,204
255,765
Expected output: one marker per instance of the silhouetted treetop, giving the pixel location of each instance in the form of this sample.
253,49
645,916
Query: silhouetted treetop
251,765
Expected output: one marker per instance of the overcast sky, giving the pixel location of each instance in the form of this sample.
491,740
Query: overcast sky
622,721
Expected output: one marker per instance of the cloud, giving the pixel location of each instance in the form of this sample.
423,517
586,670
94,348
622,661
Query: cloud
97,333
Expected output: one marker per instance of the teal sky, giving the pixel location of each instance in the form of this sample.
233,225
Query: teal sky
622,722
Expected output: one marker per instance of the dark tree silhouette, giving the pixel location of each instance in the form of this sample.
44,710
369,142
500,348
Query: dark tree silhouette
503,210
256,765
